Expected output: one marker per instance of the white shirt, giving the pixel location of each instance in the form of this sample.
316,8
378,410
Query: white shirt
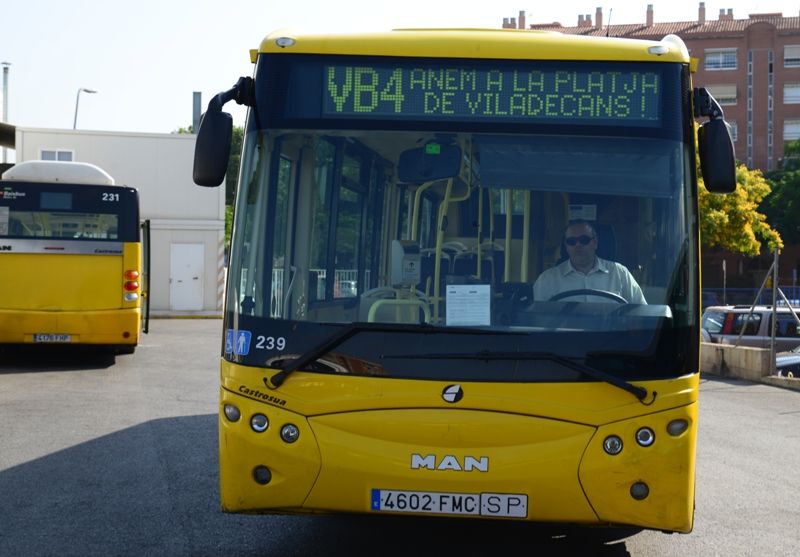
605,275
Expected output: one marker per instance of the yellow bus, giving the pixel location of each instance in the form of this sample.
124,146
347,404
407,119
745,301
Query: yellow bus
71,262
385,350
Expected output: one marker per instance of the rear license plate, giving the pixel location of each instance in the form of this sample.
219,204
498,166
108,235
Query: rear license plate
51,337
435,502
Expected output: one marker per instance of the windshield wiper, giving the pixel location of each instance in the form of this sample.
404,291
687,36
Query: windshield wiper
341,335
487,355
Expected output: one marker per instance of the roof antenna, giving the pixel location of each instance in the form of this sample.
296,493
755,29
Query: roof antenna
608,25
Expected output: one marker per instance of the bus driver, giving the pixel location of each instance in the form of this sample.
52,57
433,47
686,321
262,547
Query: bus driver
583,270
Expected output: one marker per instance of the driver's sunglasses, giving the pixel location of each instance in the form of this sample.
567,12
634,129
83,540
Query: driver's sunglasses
583,239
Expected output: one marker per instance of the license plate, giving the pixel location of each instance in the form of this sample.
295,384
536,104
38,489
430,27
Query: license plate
50,337
436,502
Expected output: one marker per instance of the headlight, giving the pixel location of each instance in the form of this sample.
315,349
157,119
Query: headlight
612,445
290,433
259,423
645,436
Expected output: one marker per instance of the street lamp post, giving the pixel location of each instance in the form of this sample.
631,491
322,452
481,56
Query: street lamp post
77,100
5,101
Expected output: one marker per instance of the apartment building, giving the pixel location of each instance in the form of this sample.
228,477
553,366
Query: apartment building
751,66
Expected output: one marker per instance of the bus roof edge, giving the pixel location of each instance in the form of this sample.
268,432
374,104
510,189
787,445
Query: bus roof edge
59,171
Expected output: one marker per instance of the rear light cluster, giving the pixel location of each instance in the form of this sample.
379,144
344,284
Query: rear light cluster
131,285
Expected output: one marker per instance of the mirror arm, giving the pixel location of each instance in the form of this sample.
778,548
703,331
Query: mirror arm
243,93
706,105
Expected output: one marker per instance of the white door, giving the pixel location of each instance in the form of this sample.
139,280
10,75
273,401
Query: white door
186,276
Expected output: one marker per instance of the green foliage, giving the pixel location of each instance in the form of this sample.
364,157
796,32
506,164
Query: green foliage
231,179
232,173
228,223
791,156
732,221
782,207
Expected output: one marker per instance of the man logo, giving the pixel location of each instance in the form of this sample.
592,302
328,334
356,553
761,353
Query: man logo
452,393
449,462
5,248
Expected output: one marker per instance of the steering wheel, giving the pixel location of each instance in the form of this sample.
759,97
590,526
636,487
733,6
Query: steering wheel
589,292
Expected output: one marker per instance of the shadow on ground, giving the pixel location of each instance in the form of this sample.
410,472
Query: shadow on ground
152,489
29,358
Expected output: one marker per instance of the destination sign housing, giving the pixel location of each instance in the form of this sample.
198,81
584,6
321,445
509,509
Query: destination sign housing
579,95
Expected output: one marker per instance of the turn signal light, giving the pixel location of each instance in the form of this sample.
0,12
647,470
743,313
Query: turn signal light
677,427
232,412
131,274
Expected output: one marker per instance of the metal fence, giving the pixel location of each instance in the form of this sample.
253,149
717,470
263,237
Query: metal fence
747,296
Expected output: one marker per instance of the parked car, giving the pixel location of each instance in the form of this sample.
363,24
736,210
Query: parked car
787,364
723,324
709,298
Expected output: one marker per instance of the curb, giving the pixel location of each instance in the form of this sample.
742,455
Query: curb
791,383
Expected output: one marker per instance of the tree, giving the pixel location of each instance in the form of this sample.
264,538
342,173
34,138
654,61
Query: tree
232,173
234,159
782,207
732,221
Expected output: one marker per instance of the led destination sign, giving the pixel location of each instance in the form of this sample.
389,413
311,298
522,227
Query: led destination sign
548,95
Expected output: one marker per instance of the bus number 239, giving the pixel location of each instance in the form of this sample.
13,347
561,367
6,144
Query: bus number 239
270,343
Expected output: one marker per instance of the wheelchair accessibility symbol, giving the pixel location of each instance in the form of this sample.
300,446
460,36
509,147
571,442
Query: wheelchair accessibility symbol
237,342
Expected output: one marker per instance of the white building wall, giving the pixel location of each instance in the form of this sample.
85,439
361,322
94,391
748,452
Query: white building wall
180,212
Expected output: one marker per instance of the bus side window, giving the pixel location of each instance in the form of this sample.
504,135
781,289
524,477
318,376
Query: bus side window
15,228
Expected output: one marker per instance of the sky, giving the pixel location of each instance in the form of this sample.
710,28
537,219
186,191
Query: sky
145,59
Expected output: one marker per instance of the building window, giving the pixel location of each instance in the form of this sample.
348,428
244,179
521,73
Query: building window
55,155
791,93
791,130
734,129
724,94
791,56
721,59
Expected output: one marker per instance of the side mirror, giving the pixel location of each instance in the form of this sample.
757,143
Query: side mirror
717,159
212,148
432,162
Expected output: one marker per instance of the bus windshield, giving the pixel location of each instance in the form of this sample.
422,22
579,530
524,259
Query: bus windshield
420,192
68,212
